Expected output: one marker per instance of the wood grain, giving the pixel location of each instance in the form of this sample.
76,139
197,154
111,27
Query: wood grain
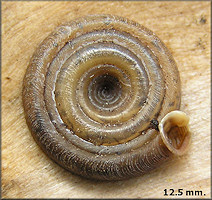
185,29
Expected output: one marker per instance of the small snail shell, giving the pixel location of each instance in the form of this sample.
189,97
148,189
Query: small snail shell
94,93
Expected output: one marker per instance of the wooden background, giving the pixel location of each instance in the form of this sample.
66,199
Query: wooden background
185,29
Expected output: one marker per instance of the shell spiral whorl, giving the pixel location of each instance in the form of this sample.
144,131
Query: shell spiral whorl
91,92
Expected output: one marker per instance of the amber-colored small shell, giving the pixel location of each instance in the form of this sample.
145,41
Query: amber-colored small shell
98,98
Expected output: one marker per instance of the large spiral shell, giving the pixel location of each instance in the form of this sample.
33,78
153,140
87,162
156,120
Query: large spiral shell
93,95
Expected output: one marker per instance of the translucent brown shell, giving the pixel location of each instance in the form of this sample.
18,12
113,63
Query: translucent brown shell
100,97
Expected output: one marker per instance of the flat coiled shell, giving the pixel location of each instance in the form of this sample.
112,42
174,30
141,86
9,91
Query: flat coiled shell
94,94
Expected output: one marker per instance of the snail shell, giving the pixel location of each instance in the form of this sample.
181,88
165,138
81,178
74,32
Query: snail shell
100,97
